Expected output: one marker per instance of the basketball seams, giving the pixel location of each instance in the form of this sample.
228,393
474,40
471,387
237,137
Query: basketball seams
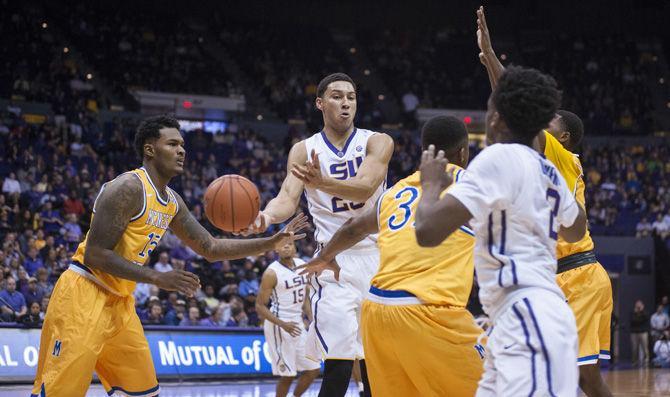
254,205
218,195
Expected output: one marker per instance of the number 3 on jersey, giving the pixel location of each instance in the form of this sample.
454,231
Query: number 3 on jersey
405,197
151,244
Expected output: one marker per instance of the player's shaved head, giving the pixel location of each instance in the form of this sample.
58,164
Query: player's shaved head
331,78
526,100
447,133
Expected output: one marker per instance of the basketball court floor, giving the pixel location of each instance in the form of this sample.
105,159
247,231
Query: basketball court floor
624,383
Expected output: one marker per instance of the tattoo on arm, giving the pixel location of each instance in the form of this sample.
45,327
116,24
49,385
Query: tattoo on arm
116,205
193,234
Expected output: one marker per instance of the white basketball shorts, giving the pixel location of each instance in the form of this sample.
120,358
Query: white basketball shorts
336,307
287,352
532,349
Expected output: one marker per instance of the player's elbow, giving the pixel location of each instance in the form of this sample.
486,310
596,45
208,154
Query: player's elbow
577,231
424,236
92,255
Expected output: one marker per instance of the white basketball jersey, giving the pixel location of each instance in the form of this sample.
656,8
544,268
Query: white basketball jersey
518,201
330,212
289,293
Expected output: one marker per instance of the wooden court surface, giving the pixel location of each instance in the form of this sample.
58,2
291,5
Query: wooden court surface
638,382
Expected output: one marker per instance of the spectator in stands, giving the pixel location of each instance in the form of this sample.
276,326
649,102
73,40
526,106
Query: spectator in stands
33,318
12,302
177,314
661,228
662,350
32,262
163,265
43,285
249,285
643,228
73,204
217,319
193,318
639,334
51,219
71,231
665,302
141,293
155,314
43,307
31,292
11,186
238,318
211,301
659,323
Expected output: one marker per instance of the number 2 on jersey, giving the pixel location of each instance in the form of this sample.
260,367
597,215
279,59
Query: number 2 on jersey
553,194
398,221
151,244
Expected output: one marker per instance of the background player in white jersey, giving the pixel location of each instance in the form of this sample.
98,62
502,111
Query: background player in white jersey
342,170
517,203
283,326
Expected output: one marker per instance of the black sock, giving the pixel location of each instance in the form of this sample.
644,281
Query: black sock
364,376
336,376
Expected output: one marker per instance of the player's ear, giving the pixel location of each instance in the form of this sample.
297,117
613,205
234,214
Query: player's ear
319,103
564,137
149,150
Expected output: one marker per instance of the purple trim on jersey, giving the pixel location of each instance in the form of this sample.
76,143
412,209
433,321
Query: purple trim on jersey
532,350
316,315
544,347
338,153
502,265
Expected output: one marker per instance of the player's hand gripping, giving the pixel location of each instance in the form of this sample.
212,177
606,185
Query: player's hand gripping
181,281
434,169
317,265
291,327
288,234
310,172
483,37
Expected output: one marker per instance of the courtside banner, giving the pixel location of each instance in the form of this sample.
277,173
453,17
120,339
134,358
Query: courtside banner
177,353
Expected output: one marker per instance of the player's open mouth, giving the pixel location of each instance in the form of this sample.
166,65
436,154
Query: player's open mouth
344,114
180,163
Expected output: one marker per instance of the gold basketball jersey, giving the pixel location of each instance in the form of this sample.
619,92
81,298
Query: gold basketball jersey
140,238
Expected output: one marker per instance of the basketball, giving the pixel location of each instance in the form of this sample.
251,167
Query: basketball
232,203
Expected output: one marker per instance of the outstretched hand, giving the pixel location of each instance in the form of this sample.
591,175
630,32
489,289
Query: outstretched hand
288,233
317,265
483,37
434,169
310,172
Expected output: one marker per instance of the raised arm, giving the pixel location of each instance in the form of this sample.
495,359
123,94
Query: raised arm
282,207
191,232
486,54
268,282
120,200
360,188
437,218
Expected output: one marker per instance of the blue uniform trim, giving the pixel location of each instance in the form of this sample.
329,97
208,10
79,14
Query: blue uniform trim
587,358
132,393
502,265
81,266
532,350
316,316
42,392
467,230
458,175
390,294
544,347
338,153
